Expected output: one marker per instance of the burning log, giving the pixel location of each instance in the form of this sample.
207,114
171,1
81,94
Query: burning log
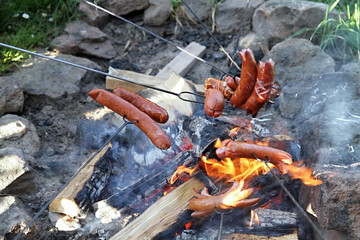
162,214
65,202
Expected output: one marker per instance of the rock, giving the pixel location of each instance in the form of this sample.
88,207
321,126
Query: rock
80,37
353,66
231,14
14,214
11,95
122,7
276,20
336,203
18,132
43,77
92,16
297,59
12,166
202,9
157,13
254,42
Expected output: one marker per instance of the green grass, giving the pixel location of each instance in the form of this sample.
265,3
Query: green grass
340,35
31,23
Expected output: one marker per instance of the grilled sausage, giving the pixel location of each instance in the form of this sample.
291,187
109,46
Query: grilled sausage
260,94
237,149
154,111
154,132
220,85
247,80
214,102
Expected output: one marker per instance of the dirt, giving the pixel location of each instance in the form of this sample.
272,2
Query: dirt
56,121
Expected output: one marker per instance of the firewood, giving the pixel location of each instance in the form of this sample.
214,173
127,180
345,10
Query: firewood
65,201
162,214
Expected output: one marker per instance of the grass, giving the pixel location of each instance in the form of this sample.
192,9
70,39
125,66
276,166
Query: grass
340,35
31,23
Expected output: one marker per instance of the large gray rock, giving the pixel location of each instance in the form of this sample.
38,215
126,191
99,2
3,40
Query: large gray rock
298,58
157,13
18,132
13,217
276,20
80,37
92,16
11,95
231,14
122,7
202,9
12,166
44,77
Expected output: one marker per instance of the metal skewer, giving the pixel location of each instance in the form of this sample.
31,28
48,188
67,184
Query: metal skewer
46,205
179,95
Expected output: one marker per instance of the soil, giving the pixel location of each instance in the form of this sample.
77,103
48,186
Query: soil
56,121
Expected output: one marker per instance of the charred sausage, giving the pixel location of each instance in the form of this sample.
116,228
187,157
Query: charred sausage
260,94
214,102
237,149
156,112
155,133
247,80
220,85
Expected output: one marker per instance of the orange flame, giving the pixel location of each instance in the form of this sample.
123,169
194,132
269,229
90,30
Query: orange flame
179,171
234,169
254,218
303,173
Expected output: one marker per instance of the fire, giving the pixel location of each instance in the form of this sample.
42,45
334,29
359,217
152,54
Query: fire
254,218
234,169
179,171
303,173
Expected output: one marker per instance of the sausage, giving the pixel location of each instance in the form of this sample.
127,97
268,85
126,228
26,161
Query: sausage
156,112
237,149
220,85
214,102
247,80
154,132
232,82
203,204
261,92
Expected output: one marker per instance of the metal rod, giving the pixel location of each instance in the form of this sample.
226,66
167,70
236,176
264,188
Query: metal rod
292,198
37,215
157,36
211,35
179,95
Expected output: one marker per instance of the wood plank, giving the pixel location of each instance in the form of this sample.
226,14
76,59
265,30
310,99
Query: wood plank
64,203
162,214
183,62
112,83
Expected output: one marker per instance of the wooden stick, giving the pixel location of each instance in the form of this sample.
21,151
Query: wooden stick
162,214
64,203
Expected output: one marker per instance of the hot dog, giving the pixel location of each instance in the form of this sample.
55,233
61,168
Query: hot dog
156,112
220,85
260,94
155,133
204,203
236,149
247,80
214,102
232,82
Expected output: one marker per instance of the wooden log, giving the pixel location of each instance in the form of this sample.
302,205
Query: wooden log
162,214
112,83
65,202
183,62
